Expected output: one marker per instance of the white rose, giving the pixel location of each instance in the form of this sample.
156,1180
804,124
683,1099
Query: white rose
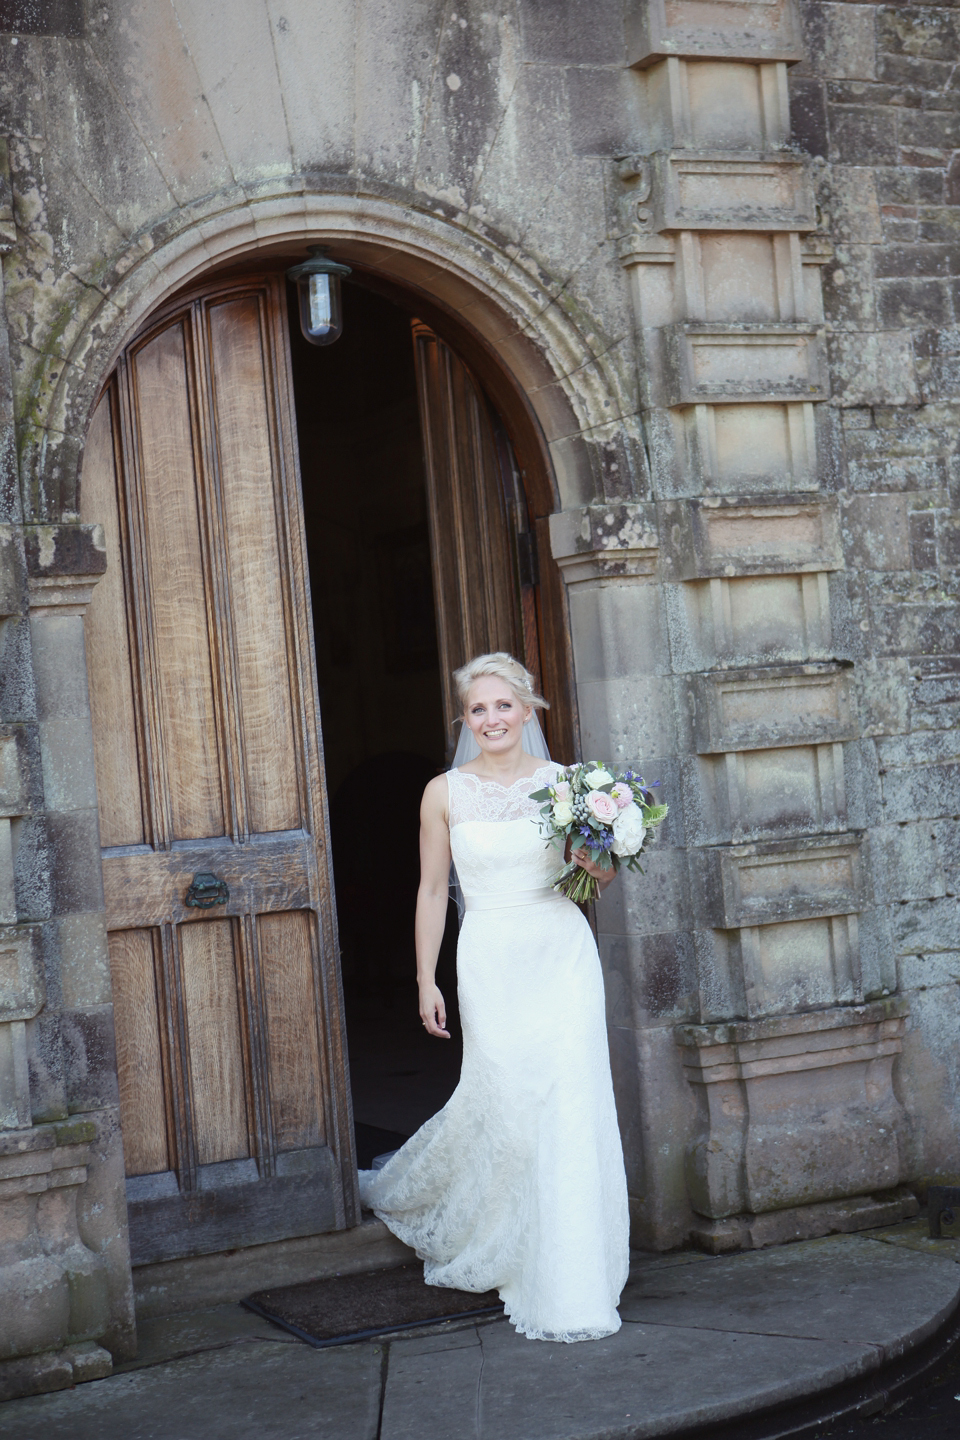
562,812
598,777
628,832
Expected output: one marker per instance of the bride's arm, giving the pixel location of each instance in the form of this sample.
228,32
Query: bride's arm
432,902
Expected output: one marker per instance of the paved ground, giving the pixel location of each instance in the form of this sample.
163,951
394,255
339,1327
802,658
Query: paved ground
703,1340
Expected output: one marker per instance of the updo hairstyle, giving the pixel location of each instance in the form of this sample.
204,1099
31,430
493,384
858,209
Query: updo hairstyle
503,667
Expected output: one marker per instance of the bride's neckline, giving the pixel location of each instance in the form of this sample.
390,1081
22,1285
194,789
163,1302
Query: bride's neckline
469,774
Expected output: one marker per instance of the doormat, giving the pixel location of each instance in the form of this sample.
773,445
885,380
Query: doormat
346,1308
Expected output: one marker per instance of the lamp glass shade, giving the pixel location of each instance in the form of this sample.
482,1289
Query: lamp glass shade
321,314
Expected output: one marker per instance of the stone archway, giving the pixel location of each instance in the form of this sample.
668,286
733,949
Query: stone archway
503,311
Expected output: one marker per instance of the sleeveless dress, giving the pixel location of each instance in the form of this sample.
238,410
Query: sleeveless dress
518,1184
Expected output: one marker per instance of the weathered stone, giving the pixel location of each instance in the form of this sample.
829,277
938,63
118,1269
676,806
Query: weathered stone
847,40
805,1222
862,135
808,115
762,883
496,163
753,709
744,32
841,1064
872,369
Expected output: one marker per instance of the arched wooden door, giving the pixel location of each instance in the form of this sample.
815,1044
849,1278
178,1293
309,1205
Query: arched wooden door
232,1066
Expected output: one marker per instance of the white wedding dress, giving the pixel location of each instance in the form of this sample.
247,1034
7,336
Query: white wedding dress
517,1184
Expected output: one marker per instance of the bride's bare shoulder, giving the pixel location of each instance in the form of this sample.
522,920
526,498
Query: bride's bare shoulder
435,794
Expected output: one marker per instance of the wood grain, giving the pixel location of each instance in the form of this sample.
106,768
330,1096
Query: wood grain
211,1001
108,646
133,969
153,886
476,584
178,587
286,965
235,1216
207,520
254,563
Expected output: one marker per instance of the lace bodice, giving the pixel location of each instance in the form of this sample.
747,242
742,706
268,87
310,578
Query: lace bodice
496,844
473,798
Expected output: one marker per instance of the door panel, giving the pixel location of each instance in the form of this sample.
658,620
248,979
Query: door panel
476,520
286,958
242,429
192,784
229,1031
143,1113
209,966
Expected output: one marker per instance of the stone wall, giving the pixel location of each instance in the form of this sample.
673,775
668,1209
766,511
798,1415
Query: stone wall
714,248
64,1259
877,107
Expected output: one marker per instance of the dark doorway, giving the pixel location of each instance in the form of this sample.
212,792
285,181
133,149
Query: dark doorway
365,508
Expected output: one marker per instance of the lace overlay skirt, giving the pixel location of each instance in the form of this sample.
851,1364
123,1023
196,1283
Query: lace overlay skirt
517,1184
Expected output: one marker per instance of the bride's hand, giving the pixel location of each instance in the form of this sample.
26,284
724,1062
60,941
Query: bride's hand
433,1012
602,877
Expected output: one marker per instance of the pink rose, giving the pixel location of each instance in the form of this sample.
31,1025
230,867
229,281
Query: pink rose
602,806
622,794
561,790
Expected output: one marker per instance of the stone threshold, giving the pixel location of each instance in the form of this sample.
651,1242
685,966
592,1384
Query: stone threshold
173,1287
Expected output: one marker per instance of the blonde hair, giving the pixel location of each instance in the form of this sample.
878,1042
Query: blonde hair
503,667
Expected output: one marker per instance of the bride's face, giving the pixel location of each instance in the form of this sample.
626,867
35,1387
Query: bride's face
495,715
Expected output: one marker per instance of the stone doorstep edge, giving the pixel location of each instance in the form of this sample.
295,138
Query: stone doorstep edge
53,1370
174,1287
844,1215
860,1398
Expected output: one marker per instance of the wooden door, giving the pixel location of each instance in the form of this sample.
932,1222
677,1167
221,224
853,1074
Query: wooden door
230,1042
482,543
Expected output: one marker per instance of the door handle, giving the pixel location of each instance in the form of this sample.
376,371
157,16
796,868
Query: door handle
205,891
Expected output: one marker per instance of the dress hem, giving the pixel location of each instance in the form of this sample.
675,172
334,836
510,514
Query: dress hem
531,1332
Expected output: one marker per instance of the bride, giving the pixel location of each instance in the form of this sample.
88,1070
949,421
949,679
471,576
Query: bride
517,1184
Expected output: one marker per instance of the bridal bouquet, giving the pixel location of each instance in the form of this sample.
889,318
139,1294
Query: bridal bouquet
606,815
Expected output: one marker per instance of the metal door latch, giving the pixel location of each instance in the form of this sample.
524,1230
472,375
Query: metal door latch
205,891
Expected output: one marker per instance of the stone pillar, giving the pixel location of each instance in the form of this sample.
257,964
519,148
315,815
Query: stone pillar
64,1260
708,646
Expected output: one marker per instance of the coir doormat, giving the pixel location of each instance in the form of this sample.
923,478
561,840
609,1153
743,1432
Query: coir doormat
346,1308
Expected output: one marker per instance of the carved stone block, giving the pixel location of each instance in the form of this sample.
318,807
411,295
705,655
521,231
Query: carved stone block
605,542
54,1286
792,966
778,705
746,449
763,618
13,781
760,884
747,362
22,990
768,535
795,1110
12,574
767,794
719,192
740,30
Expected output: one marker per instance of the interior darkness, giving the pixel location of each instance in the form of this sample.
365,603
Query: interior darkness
365,506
